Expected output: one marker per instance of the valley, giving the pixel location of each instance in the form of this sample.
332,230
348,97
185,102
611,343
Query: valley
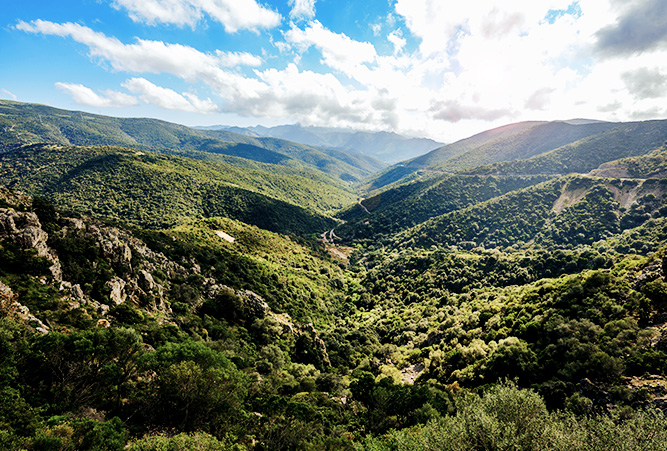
166,287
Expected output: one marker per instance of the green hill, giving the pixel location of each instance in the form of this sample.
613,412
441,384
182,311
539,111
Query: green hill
507,143
22,123
428,193
460,147
399,208
567,211
527,143
623,140
154,190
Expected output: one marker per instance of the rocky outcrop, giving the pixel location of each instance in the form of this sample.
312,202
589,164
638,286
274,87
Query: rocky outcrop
133,261
135,274
653,271
117,287
9,306
311,347
116,247
24,230
254,304
410,374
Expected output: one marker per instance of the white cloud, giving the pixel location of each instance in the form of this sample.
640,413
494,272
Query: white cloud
234,15
540,99
302,9
234,59
339,52
454,111
168,98
85,96
396,39
143,56
521,59
8,93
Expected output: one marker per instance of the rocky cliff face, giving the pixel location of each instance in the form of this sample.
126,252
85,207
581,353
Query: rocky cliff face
133,275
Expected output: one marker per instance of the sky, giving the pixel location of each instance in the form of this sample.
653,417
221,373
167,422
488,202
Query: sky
432,68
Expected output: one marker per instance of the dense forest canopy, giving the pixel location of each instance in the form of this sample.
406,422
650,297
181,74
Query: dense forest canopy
157,299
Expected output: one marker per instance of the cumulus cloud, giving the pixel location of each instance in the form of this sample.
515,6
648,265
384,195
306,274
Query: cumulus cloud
645,83
83,95
450,71
397,40
234,15
302,9
651,113
339,51
142,56
305,94
168,98
514,60
234,59
642,26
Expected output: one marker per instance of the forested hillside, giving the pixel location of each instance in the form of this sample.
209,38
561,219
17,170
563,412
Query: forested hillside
24,123
393,210
567,211
559,147
522,144
625,140
152,190
152,301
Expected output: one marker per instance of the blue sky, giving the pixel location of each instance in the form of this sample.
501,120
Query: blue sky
437,68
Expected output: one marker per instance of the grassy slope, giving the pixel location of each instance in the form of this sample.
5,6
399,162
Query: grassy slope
291,276
449,151
524,144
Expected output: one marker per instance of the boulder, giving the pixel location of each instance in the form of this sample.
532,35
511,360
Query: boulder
117,286
254,304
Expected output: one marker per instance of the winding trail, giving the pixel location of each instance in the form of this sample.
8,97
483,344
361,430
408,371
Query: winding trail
364,208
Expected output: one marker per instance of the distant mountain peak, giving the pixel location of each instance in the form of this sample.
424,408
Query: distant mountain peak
386,146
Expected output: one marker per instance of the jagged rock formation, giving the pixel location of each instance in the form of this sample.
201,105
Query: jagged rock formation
24,230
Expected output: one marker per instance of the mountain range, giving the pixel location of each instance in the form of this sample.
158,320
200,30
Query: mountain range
30,123
385,146
163,287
